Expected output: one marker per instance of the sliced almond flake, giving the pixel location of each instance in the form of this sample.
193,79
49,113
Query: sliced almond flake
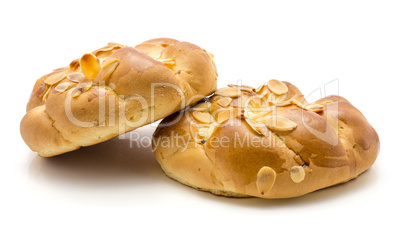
210,55
228,92
255,103
263,113
278,123
76,93
90,66
107,70
60,69
299,97
85,84
224,102
151,49
203,106
263,90
155,54
315,107
115,44
203,117
75,64
277,87
107,50
46,93
260,88
297,174
41,90
242,87
55,78
223,116
75,77
166,61
249,114
284,103
111,46
266,177
275,99
300,101
62,87
260,128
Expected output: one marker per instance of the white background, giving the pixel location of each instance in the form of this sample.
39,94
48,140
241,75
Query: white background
309,43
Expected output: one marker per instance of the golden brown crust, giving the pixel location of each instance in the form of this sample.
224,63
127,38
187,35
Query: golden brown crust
113,90
268,145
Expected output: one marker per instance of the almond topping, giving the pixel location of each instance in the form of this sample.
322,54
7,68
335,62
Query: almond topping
152,50
75,64
265,179
259,127
77,92
276,100
315,107
75,77
204,106
297,174
242,87
107,50
255,102
284,103
46,93
155,54
210,55
203,117
41,90
228,92
224,102
107,70
263,91
299,101
260,88
167,61
277,87
263,113
278,123
62,87
90,66
223,116
85,84
55,78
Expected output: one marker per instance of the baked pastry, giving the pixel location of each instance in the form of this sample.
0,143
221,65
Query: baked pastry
113,90
266,142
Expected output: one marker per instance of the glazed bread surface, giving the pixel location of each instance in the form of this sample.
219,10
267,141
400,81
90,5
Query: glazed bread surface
113,90
266,142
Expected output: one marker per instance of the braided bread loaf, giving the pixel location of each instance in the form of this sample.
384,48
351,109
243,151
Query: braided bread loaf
266,142
113,90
